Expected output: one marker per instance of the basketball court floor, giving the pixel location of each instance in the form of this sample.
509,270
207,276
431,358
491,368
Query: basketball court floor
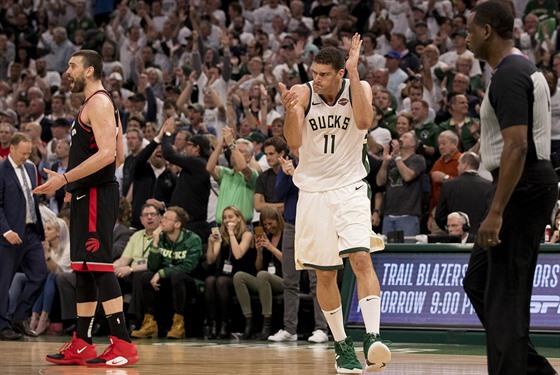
165,357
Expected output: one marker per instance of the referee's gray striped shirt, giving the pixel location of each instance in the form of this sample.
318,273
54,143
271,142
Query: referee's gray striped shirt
518,94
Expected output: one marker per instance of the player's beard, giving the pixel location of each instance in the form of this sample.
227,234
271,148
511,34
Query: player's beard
79,85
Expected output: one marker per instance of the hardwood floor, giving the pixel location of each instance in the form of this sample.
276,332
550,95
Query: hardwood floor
246,358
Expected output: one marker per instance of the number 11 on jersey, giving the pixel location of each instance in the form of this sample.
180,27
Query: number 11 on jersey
326,148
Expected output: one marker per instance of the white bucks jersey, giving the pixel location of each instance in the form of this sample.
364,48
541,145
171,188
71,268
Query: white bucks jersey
333,152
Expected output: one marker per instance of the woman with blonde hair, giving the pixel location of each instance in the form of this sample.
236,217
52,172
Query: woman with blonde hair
229,251
268,281
57,256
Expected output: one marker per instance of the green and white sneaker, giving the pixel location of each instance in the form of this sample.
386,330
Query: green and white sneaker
376,352
346,360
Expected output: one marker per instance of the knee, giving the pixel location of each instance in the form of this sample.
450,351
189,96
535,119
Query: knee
209,281
326,277
361,262
263,277
239,278
176,278
223,283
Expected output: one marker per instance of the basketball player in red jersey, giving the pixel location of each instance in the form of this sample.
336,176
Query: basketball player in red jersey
96,151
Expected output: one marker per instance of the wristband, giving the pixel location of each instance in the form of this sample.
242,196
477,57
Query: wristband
398,158
66,178
232,146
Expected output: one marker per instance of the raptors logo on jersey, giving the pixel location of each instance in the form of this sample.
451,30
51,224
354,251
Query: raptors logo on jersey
331,143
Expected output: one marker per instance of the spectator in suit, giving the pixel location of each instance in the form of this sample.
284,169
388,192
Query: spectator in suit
467,193
458,225
22,229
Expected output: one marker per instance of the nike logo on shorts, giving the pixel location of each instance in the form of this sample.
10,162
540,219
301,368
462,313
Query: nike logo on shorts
359,187
80,197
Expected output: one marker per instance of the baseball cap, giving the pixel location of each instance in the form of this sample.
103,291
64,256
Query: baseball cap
460,32
197,107
393,55
203,142
256,137
9,113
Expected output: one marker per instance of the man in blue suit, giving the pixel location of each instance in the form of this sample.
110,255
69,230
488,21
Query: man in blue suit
21,232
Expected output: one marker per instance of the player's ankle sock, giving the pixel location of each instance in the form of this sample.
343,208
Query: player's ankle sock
371,307
336,323
118,326
85,323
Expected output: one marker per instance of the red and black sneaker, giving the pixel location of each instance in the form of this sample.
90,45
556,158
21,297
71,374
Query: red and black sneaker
74,352
118,354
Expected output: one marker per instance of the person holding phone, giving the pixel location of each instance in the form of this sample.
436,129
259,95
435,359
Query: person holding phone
229,251
268,281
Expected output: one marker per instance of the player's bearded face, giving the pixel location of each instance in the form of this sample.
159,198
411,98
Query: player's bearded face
77,84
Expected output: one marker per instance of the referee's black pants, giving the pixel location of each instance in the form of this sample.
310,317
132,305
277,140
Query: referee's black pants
499,281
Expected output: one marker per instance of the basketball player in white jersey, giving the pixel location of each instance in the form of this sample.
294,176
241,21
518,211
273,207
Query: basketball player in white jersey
326,122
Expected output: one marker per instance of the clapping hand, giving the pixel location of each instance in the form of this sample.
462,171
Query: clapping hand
289,98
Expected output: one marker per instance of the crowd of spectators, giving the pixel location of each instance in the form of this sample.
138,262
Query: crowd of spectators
195,83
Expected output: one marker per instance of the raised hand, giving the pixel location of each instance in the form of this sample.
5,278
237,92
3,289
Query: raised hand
227,134
354,53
